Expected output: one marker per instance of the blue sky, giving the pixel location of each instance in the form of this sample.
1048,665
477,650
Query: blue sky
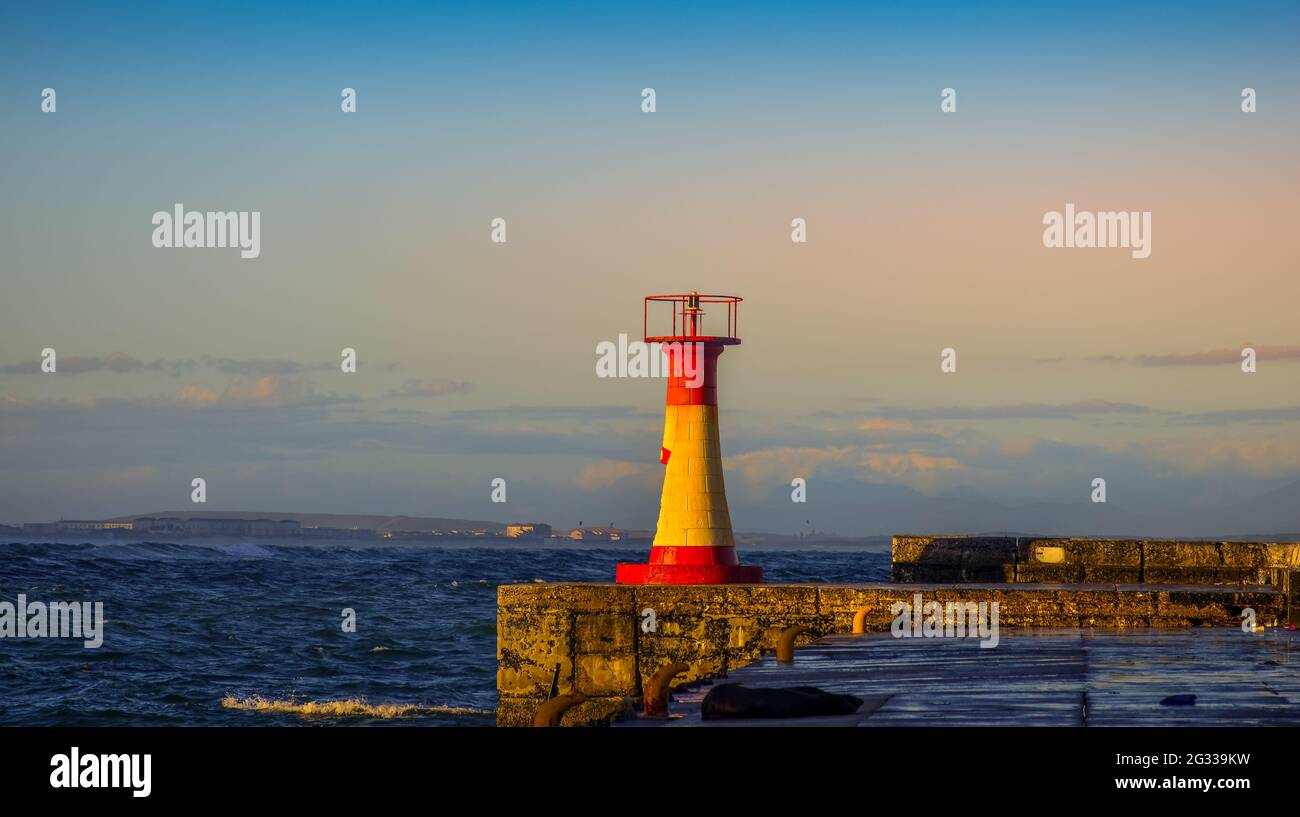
477,360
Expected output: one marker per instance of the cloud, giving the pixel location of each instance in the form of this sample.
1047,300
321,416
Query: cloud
121,363
263,391
580,413
1018,411
115,362
780,465
252,367
193,393
268,390
883,424
1019,446
608,473
1279,414
1211,357
1219,356
431,388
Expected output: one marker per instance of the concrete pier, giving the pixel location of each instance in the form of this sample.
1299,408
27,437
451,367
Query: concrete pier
589,638
605,640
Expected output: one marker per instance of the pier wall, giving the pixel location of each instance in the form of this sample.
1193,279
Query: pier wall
1075,560
594,633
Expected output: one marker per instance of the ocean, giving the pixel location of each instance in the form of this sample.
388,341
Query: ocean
251,634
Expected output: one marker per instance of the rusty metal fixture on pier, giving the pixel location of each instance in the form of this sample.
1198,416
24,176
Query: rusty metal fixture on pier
656,692
550,713
860,620
785,646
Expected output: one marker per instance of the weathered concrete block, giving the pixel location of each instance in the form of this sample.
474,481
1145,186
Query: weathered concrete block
529,676
1284,555
1095,552
987,551
530,644
909,548
705,658
607,675
1112,574
516,710
595,711
604,632
1197,606
1158,553
569,597
519,711
1131,601
696,627
1245,554
1209,574
668,600
1097,602
1049,573
773,604
952,558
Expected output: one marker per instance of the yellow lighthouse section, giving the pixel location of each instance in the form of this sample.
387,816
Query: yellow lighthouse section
693,507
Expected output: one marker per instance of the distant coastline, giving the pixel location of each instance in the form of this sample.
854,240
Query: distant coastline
321,528
229,527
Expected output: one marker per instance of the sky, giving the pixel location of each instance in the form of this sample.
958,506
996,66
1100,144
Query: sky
476,360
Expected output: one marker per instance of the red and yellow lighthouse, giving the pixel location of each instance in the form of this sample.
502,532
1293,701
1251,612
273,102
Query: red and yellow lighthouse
693,541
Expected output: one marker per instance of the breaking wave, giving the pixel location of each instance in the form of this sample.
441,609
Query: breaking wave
350,708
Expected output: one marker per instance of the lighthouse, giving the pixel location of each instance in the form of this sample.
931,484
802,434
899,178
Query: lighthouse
693,541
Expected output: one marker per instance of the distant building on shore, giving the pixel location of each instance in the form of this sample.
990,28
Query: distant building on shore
529,530
202,526
85,524
602,535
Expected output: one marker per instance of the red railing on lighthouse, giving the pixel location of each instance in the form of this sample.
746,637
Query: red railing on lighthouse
688,314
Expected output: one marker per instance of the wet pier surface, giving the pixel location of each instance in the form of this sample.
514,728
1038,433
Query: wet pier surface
1038,677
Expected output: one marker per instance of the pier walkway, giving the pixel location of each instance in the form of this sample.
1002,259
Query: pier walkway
1049,677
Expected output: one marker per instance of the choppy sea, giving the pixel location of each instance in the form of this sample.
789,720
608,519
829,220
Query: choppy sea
251,634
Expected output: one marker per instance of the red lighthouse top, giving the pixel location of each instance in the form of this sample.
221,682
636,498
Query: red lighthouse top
688,319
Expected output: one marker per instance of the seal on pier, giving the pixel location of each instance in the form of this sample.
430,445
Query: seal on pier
735,701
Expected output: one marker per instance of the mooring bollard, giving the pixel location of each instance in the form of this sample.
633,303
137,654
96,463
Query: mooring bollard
656,693
785,645
550,713
860,620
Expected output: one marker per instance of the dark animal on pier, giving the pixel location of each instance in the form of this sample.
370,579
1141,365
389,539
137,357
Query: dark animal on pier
734,701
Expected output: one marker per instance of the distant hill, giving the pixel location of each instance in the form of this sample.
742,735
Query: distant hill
782,540
338,520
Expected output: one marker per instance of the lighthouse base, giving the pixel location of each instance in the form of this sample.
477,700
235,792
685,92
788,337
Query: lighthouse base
690,565
688,574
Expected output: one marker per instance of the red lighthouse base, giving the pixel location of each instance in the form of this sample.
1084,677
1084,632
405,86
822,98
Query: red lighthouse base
690,565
